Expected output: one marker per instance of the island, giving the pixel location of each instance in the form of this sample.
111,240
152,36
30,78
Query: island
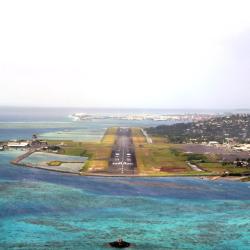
174,150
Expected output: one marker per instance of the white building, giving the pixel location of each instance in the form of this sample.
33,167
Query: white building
242,147
18,144
213,143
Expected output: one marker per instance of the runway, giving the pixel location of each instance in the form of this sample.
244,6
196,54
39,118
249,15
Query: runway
122,160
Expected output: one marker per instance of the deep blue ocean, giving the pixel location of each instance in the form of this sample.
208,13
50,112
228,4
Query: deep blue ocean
48,210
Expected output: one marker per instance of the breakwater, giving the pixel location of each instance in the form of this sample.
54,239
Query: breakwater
23,156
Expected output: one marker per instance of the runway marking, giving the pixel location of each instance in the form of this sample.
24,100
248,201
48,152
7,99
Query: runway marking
123,158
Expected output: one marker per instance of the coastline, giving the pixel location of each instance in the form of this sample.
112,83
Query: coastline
99,154
42,165
209,177
45,168
203,177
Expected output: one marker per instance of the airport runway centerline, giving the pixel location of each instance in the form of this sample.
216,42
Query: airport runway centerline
122,160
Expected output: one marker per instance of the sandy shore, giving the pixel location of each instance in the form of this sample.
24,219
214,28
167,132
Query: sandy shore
75,168
75,172
49,168
215,178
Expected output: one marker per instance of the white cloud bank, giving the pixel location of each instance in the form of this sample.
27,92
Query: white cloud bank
159,54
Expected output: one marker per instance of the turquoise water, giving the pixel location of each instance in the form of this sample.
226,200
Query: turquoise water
54,123
40,158
77,131
48,210
68,130
89,130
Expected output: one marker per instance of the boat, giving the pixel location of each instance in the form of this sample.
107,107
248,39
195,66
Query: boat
119,244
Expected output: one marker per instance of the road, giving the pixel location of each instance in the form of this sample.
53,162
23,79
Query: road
194,167
122,160
23,156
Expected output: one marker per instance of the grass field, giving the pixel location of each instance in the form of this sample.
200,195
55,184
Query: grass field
109,136
138,137
162,159
54,163
158,158
98,153
219,168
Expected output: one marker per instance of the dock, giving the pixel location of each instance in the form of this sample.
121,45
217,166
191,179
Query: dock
23,156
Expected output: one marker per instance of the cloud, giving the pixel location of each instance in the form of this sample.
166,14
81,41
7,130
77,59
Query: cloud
123,53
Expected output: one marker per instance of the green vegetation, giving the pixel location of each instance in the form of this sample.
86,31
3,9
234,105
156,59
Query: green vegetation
219,168
246,179
54,163
71,148
138,137
109,136
214,129
158,158
195,158
98,153
162,158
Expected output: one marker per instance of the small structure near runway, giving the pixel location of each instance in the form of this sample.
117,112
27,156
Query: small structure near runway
18,144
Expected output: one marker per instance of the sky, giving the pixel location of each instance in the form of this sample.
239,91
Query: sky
124,54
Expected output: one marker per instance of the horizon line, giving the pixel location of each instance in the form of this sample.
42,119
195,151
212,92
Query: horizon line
117,108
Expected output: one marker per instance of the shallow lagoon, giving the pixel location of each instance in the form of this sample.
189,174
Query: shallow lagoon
48,210
89,130
70,164
43,158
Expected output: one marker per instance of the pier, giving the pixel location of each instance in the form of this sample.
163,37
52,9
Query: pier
23,156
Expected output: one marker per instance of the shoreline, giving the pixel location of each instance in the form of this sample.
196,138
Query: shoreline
44,168
103,173
202,177
18,162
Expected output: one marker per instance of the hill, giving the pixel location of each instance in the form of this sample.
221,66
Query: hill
220,129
